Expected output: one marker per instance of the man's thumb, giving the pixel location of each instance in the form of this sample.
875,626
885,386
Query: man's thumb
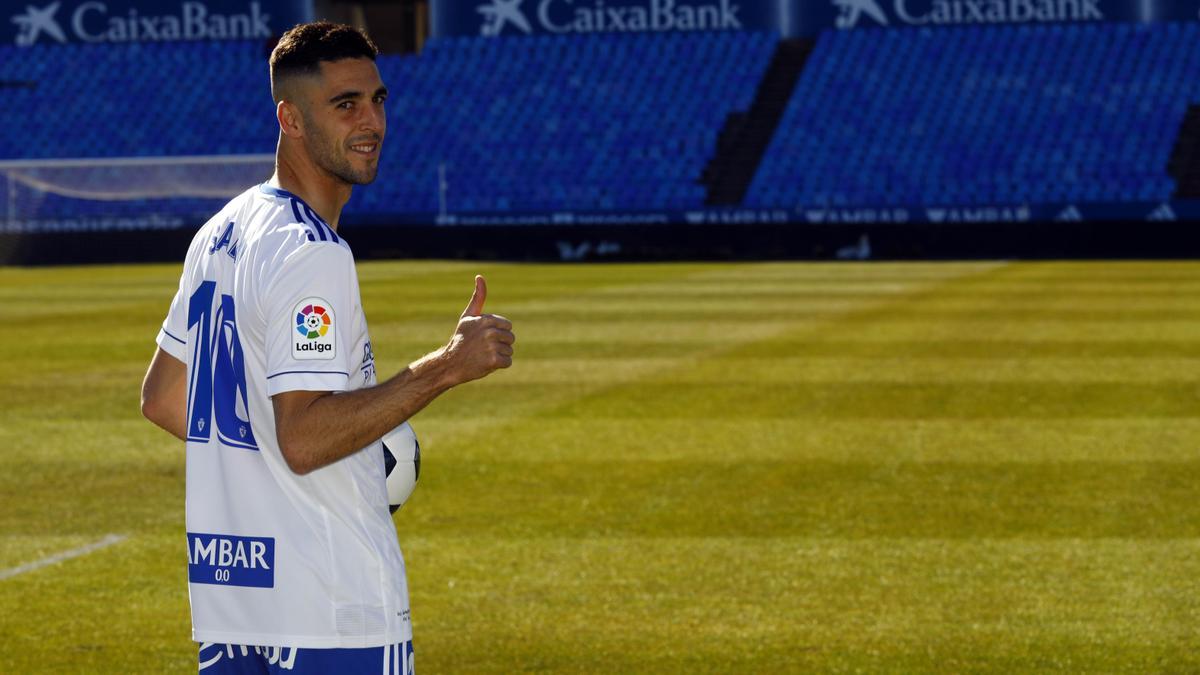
475,307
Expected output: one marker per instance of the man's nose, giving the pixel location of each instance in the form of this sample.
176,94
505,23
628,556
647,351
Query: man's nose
373,119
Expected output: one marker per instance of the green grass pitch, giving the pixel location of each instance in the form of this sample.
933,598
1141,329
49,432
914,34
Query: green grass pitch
721,468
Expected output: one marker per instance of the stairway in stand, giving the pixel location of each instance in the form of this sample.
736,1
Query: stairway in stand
1184,165
744,138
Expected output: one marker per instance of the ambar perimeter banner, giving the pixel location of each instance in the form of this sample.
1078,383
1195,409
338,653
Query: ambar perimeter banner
41,22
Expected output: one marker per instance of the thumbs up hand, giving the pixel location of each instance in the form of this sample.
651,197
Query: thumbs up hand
482,343
475,307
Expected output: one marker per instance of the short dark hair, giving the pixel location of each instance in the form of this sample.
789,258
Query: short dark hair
303,47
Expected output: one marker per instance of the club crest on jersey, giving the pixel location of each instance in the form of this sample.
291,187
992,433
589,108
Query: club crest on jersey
313,337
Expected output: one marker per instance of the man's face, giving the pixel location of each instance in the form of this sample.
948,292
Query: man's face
344,121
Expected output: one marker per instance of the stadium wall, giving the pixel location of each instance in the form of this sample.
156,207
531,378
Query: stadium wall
1163,239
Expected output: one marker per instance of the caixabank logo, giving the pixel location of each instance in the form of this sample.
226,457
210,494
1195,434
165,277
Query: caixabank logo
314,337
95,21
850,12
517,17
36,22
856,13
502,13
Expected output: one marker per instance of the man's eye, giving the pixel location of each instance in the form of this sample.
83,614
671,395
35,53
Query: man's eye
346,105
380,99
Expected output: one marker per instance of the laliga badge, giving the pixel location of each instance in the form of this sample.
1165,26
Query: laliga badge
313,336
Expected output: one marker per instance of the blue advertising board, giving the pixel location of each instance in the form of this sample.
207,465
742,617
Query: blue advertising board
492,18
1183,210
123,21
1131,212
809,17
790,18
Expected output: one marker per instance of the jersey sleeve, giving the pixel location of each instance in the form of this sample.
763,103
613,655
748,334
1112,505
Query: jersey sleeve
172,337
310,308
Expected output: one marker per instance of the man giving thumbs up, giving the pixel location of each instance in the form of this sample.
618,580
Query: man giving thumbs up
317,428
264,369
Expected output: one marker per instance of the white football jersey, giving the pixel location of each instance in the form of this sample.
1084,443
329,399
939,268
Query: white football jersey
269,302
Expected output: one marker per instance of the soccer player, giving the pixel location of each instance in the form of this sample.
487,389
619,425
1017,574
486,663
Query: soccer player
264,367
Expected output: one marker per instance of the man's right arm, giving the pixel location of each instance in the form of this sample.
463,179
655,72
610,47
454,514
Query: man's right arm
316,428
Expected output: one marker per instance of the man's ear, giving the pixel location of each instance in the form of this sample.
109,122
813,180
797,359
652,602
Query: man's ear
291,122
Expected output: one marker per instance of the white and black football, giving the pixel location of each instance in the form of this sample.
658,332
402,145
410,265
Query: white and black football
402,463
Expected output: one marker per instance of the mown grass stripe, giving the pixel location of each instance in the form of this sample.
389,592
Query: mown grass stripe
880,400
724,312
738,498
1064,347
977,442
873,369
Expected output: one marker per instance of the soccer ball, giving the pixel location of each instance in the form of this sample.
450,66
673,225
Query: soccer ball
401,463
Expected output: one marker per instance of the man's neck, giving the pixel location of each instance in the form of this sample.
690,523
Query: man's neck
299,176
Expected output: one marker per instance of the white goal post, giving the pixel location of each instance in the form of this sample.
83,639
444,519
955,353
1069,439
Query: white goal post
28,183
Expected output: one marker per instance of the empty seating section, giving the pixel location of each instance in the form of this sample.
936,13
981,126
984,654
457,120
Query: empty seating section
984,116
612,121
595,122
140,99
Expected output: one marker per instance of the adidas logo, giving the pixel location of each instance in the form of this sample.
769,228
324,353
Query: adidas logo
1162,214
1069,215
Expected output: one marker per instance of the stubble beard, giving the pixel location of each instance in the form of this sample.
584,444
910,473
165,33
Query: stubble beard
328,155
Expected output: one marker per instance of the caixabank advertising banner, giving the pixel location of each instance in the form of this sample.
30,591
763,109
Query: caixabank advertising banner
494,18
809,17
123,21
789,18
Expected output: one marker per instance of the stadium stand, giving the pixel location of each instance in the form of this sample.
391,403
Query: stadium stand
129,100
984,115
135,100
595,122
608,121
947,116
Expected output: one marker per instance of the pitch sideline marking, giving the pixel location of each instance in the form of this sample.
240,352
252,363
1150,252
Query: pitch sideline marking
107,541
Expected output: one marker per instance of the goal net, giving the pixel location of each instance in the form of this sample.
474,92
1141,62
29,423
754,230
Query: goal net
47,195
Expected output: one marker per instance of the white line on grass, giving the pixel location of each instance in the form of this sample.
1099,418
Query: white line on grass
65,555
